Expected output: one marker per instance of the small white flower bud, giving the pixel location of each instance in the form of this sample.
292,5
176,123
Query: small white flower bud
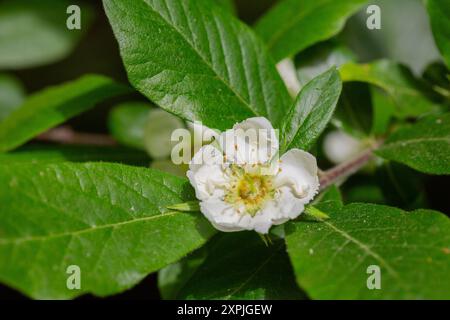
339,146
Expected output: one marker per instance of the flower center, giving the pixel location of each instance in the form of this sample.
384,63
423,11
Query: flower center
249,190
252,187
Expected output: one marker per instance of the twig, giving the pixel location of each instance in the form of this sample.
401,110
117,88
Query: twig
66,135
347,168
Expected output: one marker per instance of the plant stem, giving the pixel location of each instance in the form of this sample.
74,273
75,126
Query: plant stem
345,169
66,135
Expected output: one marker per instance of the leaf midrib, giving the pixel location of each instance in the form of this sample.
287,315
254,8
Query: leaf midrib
245,103
295,105
367,250
86,230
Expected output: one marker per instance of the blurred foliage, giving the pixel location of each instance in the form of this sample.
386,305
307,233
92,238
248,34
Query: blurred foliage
34,32
394,81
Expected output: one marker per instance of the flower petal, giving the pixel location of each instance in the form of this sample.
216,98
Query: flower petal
221,215
298,172
226,218
254,123
250,142
206,173
294,182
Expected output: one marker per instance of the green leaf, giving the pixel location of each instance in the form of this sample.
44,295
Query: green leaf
227,5
241,266
190,206
173,277
365,192
401,186
127,122
72,153
437,76
354,111
315,214
197,61
48,108
383,109
412,249
329,197
34,32
110,220
424,146
12,95
312,111
439,12
166,165
293,25
396,81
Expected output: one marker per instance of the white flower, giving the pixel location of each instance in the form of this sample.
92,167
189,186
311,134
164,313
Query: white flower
245,187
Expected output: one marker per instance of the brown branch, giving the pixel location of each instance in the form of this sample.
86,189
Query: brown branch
66,135
331,176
